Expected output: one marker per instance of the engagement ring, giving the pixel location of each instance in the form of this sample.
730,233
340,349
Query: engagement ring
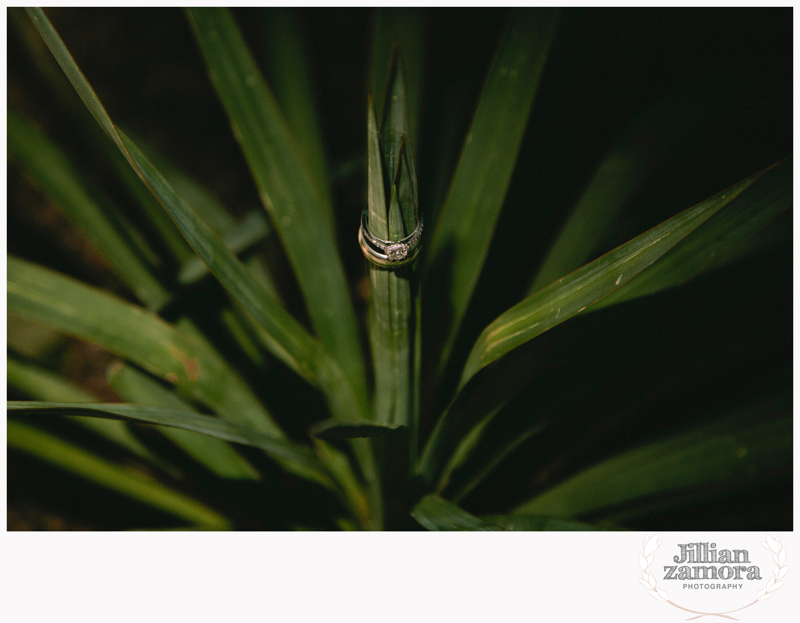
388,253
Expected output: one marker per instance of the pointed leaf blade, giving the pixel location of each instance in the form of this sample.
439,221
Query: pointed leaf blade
114,477
291,79
715,453
437,515
292,343
41,384
398,28
137,387
167,351
464,230
720,236
336,430
574,293
162,416
91,213
641,146
286,188
252,229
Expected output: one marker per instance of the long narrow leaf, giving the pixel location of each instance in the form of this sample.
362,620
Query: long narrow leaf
335,430
380,320
78,80
286,188
286,338
114,477
293,344
464,230
394,305
398,28
207,207
645,141
65,94
721,235
436,514
291,79
560,301
607,368
93,215
172,354
574,293
703,457
213,427
41,384
136,387
252,229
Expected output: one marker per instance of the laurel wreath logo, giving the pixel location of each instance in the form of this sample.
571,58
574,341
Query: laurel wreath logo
648,580
779,557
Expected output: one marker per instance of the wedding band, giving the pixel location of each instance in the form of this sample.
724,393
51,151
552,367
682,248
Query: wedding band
388,253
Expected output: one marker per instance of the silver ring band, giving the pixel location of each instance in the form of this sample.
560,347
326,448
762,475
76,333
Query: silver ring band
388,253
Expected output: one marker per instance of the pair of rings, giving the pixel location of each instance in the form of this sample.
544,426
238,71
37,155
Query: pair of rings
388,253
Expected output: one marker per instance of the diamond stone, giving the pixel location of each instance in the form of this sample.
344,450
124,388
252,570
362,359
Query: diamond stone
396,252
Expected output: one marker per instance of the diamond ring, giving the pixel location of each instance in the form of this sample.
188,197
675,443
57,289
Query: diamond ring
389,253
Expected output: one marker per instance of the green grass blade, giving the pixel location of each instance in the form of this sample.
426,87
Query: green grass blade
464,230
717,453
169,352
398,28
336,430
475,405
438,515
261,273
162,223
241,325
721,235
117,478
282,334
394,306
286,188
641,146
65,94
78,80
208,208
616,365
235,321
252,229
41,384
775,236
291,78
380,321
292,343
531,523
300,456
574,293
138,388
297,348
97,218
175,355
496,455
551,306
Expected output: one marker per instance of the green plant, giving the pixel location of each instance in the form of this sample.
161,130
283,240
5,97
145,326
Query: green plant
533,368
